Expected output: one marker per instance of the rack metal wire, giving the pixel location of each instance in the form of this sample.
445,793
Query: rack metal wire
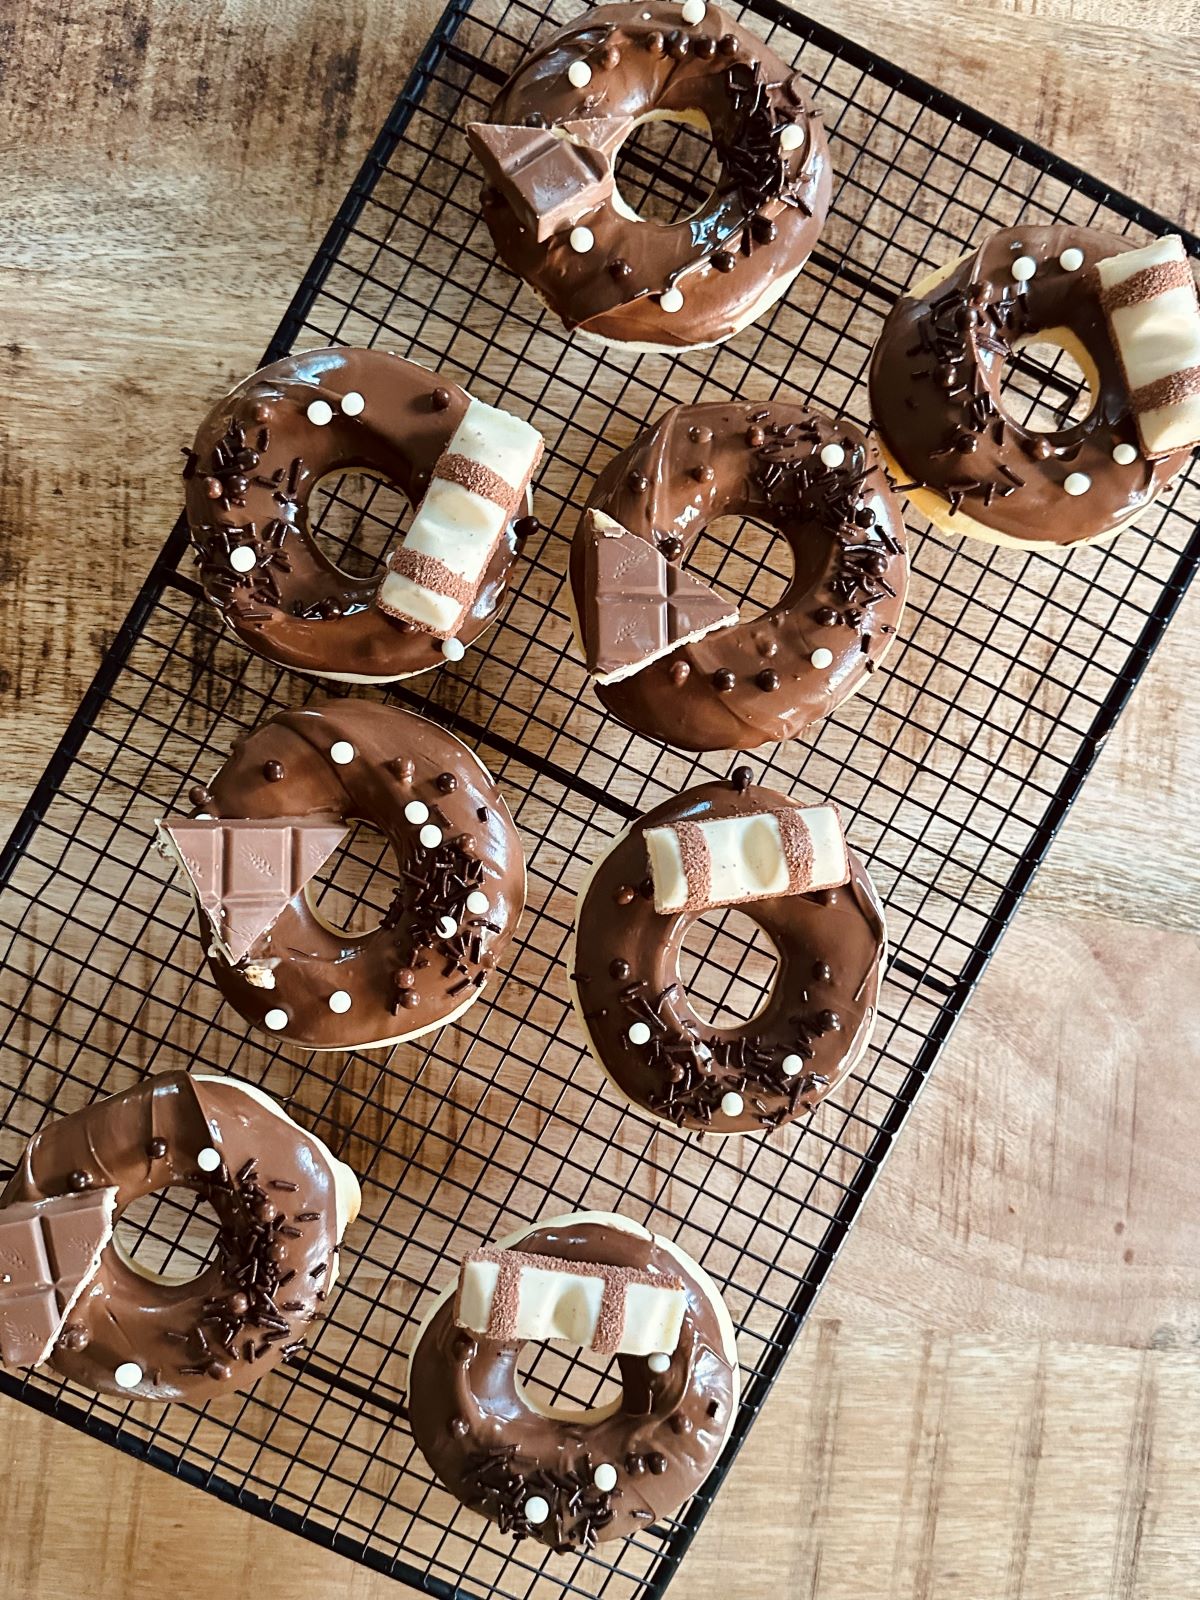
955,766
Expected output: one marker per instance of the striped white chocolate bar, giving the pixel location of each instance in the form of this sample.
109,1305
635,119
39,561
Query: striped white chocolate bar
477,487
1149,298
723,862
514,1294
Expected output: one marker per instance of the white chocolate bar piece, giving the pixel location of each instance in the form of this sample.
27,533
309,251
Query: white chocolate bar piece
510,1295
726,861
1150,301
477,487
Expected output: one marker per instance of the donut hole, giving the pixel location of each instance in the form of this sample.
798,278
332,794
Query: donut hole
667,169
569,1385
727,966
169,1236
748,562
355,520
353,890
1043,388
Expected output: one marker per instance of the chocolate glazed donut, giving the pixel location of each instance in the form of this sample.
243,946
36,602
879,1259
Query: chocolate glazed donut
559,223
936,395
459,894
256,459
282,1203
572,1481
637,1017
822,487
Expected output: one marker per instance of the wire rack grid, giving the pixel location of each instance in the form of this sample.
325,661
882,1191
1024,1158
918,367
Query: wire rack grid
955,767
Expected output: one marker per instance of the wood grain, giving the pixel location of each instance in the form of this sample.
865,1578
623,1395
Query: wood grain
1000,1395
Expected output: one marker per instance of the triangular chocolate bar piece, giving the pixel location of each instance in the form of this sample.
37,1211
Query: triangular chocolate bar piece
49,1253
243,872
637,606
549,182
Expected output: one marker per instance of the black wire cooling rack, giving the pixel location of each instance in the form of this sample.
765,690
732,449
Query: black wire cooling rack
955,766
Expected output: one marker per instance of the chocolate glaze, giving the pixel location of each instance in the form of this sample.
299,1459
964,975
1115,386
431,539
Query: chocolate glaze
846,592
255,462
830,947
275,1201
663,1438
405,976
763,220
935,387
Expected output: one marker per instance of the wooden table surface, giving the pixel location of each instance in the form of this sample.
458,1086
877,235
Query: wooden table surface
999,1393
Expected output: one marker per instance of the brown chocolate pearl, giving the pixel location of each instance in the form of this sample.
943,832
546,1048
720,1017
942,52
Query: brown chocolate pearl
948,377
646,888
464,1347
741,778
727,44
678,45
829,1021
655,43
821,971
680,1423
411,999
703,474
199,795
704,48
657,1463
619,969
446,782
635,1465
156,1149
1041,449
638,482
525,527
625,895
767,647
238,1304
680,672
403,767
671,547
619,268
459,1427
213,489
264,1211
724,260
220,1371
762,229
273,771
440,398
75,1338
405,978
755,437
246,460
767,680
966,443
238,486
263,412
724,680
700,435
79,1180
827,617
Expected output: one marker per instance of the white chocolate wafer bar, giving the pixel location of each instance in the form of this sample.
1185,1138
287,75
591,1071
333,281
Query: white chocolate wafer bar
695,866
1149,298
514,1294
477,487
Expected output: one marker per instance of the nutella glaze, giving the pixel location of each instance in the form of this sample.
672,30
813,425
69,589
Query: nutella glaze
935,390
831,951
256,459
281,1202
768,678
663,285
438,944
489,1444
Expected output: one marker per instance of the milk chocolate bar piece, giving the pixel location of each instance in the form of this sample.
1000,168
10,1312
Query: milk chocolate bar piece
549,181
695,866
510,1295
639,606
477,487
49,1252
244,872
1150,301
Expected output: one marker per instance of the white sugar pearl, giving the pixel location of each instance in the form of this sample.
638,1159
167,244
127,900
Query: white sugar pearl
453,649
243,559
793,1066
832,455
128,1375
1125,455
353,404
276,1019
341,752
340,1002
582,240
1077,483
659,1362
671,300
431,836
1023,268
639,1033
821,658
477,902
1071,260
447,927
732,1104
320,413
605,1477
693,12
208,1160
416,811
791,138
579,74
536,1510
